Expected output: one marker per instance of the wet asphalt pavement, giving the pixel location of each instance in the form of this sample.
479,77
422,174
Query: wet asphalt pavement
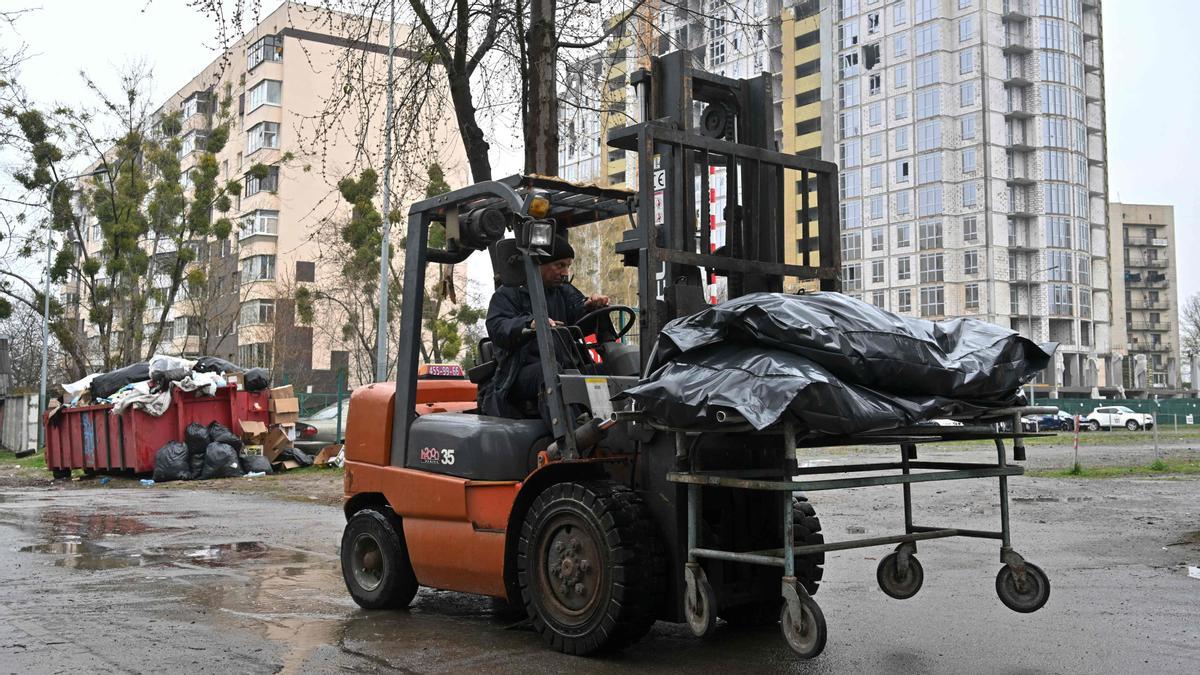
139,580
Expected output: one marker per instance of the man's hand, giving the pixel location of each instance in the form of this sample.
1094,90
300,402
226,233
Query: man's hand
553,323
596,302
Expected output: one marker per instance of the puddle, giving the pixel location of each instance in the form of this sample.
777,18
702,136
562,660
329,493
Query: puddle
1041,499
89,555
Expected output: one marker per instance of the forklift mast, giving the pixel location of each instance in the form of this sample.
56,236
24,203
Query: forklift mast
697,126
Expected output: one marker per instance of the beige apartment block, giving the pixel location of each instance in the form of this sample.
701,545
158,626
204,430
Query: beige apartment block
298,108
1145,292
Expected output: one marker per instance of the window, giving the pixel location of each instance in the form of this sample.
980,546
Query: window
878,272
930,265
900,45
966,62
968,160
904,268
902,139
872,23
186,326
190,142
260,221
903,235
848,34
929,168
1085,304
929,200
929,234
933,301
849,124
255,355
1055,100
900,75
927,70
876,174
852,277
195,104
848,94
262,135
875,114
875,145
269,182
257,312
924,10
970,229
970,195
851,183
877,299
966,94
963,4
877,207
1056,198
1056,132
1059,266
267,92
850,153
847,8
1058,232
851,214
1052,35
877,235
1083,236
903,203
966,28
929,135
1054,163
903,167
1084,270
899,14
848,65
928,103
927,39
1061,302
971,263
1054,66
269,48
971,297
904,301
258,268
874,84
851,245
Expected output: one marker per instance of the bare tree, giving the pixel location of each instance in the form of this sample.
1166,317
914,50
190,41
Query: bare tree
1189,325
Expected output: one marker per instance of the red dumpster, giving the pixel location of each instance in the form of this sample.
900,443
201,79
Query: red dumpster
90,438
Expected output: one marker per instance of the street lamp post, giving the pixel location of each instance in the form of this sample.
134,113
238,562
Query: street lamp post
1029,315
42,399
381,332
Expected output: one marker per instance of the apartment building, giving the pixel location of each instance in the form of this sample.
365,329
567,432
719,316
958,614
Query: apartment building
970,134
281,149
1145,295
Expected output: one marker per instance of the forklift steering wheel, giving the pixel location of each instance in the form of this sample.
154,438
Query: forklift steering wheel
622,309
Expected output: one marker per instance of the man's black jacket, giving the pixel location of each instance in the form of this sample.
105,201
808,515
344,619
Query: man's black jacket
510,312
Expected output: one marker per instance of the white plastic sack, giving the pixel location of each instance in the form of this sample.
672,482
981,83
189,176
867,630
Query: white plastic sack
74,389
162,363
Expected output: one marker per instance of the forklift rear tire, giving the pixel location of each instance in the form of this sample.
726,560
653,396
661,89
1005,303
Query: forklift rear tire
590,566
375,564
806,531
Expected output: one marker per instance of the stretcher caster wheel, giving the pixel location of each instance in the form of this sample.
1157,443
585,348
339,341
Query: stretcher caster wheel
900,579
701,602
805,633
1023,595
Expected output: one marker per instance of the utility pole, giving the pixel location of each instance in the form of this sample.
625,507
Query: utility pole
381,329
1029,315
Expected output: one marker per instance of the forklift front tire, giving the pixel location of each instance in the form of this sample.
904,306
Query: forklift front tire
375,564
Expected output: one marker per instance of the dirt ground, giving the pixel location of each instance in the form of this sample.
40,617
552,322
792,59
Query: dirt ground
242,575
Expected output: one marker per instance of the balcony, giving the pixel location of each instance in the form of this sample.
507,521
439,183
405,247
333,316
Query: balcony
1143,262
1147,241
1137,346
1148,325
1015,11
1161,303
1014,43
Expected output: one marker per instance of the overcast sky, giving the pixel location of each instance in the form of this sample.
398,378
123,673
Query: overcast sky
1153,93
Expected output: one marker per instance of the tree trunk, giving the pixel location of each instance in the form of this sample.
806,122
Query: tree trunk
472,136
541,130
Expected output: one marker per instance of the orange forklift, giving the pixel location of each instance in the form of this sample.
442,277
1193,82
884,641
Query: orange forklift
604,521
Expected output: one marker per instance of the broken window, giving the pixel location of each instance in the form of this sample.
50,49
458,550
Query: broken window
874,84
870,55
872,23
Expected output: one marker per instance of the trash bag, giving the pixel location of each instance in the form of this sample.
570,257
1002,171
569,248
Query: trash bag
171,462
220,461
862,344
218,433
165,368
196,438
109,383
257,379
212,364
256,463
296,455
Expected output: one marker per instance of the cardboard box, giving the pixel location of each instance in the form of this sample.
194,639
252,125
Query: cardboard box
290,430
286,465
253,432
285,410
275,443
327,453
256,450
236,379
283,392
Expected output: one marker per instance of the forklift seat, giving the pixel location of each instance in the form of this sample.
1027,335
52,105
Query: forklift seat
482,447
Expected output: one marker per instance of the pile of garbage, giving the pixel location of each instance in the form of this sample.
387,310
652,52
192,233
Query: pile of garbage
835,365
147,385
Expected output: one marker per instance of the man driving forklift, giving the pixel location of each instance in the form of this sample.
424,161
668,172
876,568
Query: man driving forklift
515,388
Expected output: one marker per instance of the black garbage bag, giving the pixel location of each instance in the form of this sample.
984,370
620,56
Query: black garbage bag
218,433
257,379
295,454
196,438
109,383
171,463
213,364
220,461
861,344
254,463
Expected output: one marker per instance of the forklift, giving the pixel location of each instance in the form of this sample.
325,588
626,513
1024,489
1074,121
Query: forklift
604,521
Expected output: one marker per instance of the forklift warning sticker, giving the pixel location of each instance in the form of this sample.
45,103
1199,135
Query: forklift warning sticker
597,391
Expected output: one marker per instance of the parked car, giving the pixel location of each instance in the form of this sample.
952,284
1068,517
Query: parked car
1059,421
1113,416
320,428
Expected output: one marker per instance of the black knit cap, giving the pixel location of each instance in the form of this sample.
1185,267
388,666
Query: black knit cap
560,251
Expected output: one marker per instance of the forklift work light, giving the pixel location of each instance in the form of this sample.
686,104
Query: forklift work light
541,233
